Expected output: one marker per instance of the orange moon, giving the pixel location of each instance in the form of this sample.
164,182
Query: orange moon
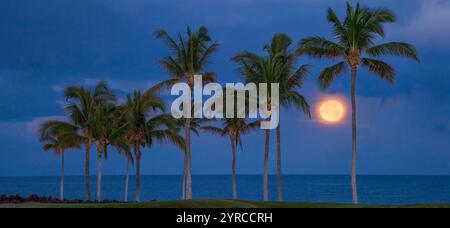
332,111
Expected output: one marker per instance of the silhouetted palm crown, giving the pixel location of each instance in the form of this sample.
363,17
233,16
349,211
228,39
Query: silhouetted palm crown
236,127
289,77
276,67
145,126
189,55
84,105
354,44
59,136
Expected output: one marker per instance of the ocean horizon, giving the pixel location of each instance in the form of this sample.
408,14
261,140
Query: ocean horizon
373,189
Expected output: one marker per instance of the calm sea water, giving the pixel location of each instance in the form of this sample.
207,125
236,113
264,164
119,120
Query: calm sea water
372,189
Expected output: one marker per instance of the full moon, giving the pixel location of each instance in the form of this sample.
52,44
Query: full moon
332,111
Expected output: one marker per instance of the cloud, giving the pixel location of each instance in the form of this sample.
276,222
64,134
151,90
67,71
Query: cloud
26,128
431,24
33,125
57,88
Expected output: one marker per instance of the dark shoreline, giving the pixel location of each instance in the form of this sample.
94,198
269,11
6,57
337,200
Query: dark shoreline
16,199
205,204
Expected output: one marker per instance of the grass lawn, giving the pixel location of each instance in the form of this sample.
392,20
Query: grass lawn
211,204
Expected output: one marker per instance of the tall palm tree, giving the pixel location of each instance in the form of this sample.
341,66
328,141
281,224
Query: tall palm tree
129,162
290,78
81,110
147,127
121,142
59,136
188,57
262,69
234,128
122,145
354,45
195,126
107,128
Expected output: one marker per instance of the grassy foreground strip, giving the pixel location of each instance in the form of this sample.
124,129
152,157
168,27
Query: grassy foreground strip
212,204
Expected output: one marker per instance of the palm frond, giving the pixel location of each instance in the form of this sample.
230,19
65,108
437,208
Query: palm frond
298,78
59,136
163,34
166,84
207,54
189,55
297,100
319,47
163,120
255,125
328,75
380,68
164,136
280,44
339,30
394,49
214,130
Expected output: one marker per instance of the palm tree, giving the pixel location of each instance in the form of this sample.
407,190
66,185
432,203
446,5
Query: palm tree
81,110
122,146
234,128
59,136
188,57
129,158
107,128
259,69
290,80
146,128
122,143
354,44
195,126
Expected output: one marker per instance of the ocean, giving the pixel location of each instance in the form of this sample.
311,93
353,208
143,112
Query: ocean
390,190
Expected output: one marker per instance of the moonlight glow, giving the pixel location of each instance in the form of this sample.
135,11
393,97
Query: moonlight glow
332,111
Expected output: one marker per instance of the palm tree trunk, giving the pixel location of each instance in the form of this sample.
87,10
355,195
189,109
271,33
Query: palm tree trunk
354,184
188,157
62,175
280,191
266,167
127,179
184,176
87,178
233,166
99,174
138,174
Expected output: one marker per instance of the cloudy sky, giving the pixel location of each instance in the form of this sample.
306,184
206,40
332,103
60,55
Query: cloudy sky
46,45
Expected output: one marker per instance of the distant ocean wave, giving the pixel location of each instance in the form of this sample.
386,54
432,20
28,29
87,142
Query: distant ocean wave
307,188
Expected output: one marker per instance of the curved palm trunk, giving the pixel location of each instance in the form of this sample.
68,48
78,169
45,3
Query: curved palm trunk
266,167
62,175
280,191
354,184
188,162
99,174
233,166
87,178
127,180
138,174
184,176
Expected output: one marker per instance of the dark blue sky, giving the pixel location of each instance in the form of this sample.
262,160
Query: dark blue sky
46,45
